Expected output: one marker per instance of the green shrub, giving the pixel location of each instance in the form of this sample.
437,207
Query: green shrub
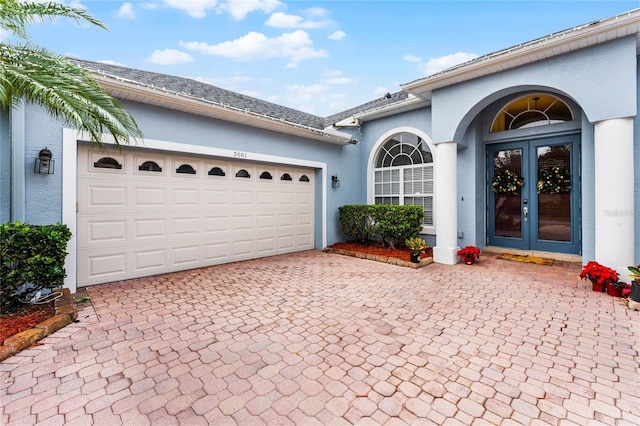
31,258
389,225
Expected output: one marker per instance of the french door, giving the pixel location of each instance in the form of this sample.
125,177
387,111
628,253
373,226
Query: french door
533,194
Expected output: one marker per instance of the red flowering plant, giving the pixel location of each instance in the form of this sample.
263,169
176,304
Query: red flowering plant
469,252
599,274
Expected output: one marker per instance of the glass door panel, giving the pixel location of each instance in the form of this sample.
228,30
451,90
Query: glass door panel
554,192
507,206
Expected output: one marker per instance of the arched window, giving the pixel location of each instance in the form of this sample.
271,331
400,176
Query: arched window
186,169
266,175
304,178
216,171
107,163
403,174
537,109
286,176
242,173
150,166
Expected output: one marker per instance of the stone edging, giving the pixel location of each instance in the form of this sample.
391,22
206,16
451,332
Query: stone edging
378,258
66,313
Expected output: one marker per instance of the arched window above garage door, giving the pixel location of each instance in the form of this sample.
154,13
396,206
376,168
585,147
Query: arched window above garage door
403,173
150,166
107,163
537,109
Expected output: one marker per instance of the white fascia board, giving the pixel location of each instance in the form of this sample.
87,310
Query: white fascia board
555,44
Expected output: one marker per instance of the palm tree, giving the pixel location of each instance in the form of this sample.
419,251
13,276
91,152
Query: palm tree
64,88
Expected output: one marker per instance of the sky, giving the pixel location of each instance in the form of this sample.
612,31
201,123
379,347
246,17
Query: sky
321,57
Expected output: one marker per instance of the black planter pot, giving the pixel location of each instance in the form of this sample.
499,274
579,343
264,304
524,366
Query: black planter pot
635,291
415,258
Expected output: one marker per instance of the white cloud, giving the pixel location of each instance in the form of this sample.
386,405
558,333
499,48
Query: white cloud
338,35
310,19
194,8
295,46
435,65
284,20
411,58
126,11
169,57
240,8
335,77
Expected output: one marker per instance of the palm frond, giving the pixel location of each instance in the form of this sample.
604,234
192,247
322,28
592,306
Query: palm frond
15,15
65,89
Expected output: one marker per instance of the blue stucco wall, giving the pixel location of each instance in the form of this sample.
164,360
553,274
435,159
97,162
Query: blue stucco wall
602,79
44,192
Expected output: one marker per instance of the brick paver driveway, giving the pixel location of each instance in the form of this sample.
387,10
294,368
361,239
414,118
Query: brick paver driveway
317,338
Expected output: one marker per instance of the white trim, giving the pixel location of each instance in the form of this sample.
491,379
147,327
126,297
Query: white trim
70,140
372,158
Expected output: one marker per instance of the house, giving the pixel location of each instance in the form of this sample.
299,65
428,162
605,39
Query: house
535,148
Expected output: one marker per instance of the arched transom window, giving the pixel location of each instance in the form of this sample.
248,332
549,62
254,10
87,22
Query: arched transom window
403,174
537,109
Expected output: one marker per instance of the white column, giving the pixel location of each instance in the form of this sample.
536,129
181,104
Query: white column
614,204
446,213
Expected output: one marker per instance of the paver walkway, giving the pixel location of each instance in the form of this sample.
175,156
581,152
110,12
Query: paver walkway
317,338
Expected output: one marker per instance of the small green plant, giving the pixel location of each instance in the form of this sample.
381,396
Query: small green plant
635,272
31,259
416,245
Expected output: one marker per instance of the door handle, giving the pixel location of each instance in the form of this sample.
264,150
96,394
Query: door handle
525,212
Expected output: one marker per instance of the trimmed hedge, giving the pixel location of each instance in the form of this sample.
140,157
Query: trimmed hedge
387,224
31,258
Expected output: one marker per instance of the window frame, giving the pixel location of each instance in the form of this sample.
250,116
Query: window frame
371,169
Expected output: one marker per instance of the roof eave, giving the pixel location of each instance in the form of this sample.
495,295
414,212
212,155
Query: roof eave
410,104
556,44
141,93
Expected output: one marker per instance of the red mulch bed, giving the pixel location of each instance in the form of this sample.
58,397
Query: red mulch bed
25,318
402,254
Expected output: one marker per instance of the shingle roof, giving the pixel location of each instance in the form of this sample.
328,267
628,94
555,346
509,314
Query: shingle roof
200,90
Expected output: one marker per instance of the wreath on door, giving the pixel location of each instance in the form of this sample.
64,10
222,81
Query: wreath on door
506,182
554,180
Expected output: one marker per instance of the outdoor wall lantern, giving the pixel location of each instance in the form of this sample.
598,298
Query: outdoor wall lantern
335,182
44,164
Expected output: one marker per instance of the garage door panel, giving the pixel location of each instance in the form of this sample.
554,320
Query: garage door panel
241,197
266,244
216,197
149,259
242,222
187,255
285,197
266,221
304,219
149,227
285,242
216,223
108,231
285,219
103,196
150,197
242,247
186,226
186,197
134,223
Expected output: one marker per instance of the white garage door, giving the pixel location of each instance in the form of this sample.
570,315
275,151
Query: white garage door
143,212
